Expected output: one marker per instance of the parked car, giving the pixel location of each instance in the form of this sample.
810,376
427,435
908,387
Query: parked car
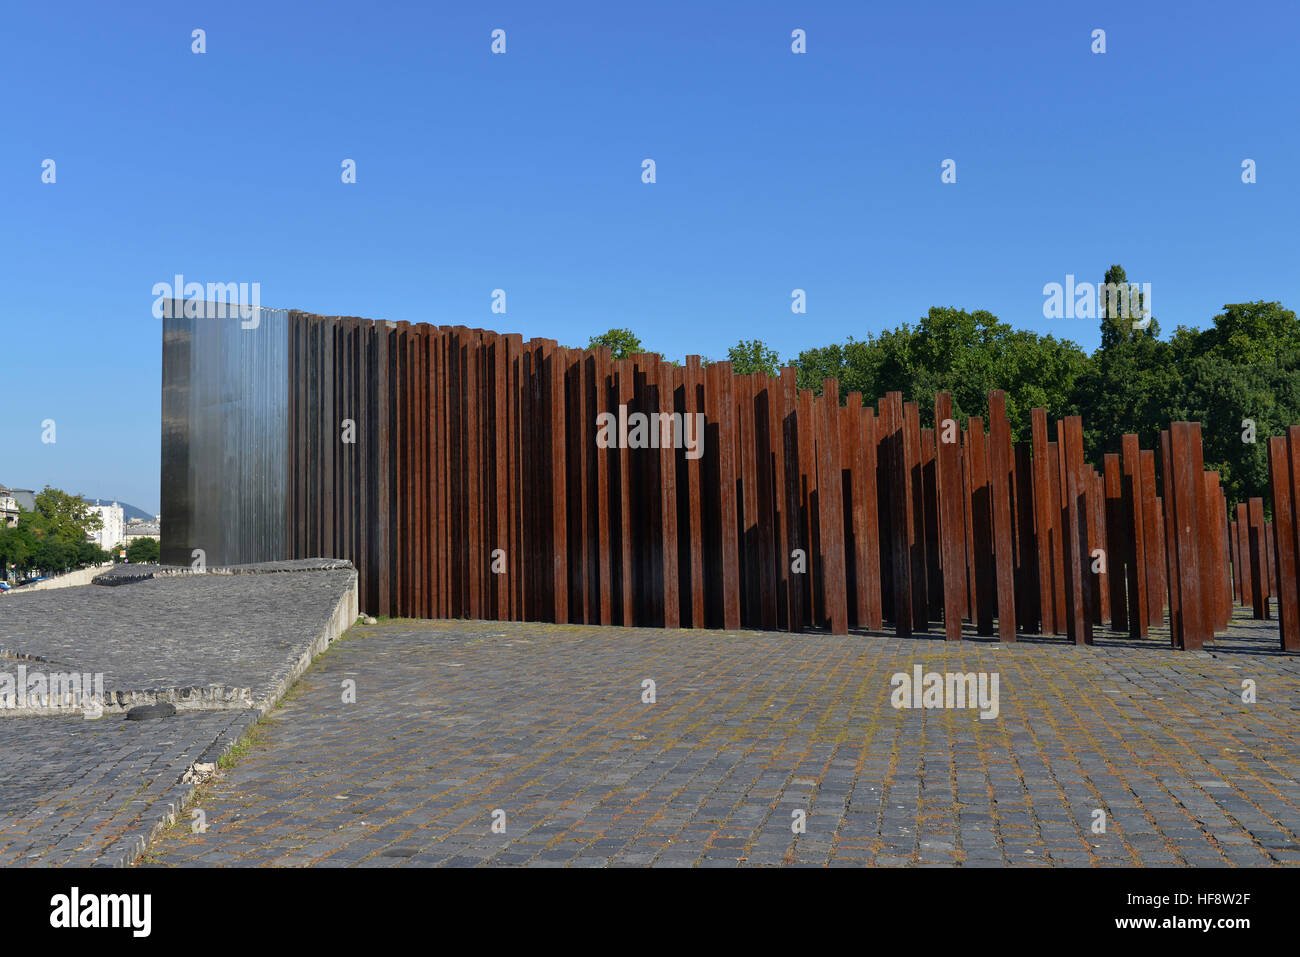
5,586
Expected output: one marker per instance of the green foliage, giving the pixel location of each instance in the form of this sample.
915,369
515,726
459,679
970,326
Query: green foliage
51,539
622,343
68,516
1245,366
142,550
752,355
951,350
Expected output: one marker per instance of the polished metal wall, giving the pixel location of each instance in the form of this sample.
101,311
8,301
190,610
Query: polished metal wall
224,428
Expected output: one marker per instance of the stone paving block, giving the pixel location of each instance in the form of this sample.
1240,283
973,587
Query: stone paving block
432,750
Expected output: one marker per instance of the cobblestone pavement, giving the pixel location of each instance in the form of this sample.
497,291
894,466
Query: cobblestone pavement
90,792
454,720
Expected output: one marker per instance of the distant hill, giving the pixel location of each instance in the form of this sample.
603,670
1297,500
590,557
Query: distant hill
129,511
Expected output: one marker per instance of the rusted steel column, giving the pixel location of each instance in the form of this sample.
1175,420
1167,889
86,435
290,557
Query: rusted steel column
579,436
456,494
407,533
870,547
1206,558
498,471
1258,568
647,501
627,578
664,381
1268,559
766,515
899,502
382,522
1218,582
1027,572
1161,551
779,558
1116,542
795,522
749,520
694,395
1060,553
603,460
1043,520
1000,491
767,511
421,479
1079,553
1225,614
477,557
1288,556
1293,458
806,423
1293,461
437,461
1097,536
1139,615
593,457
1235,558
1186,533
968,534
728,506
554,364
529,480
1153,557
1243,553
1066,548
930,489
831,508
417,530
1169,537
885,491
518,544
855,512
981,529
915,517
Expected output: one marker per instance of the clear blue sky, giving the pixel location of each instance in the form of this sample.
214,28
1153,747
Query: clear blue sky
523,172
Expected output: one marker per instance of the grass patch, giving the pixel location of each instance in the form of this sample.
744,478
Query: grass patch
254,737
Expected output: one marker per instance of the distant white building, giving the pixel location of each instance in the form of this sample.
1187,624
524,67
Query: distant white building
8,508
114,525
12,500
136,530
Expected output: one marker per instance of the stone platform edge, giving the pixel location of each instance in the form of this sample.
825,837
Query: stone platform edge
129,574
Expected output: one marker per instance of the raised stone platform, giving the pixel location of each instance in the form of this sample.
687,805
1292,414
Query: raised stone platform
222,646
228,638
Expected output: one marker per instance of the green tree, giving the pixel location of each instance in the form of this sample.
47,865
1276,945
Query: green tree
142,550
622,343
69,516
88,553
52,538
1244,367
752,355
952,350
16,547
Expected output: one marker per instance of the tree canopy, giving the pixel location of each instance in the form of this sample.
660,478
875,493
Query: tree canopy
51,538
1239,376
